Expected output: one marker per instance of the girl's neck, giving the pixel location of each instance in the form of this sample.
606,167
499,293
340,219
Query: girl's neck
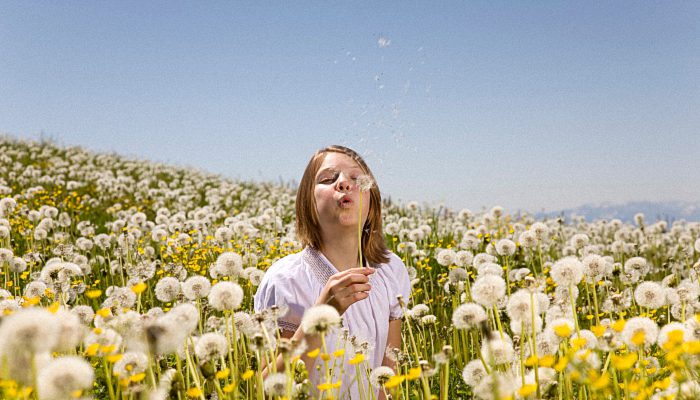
341,251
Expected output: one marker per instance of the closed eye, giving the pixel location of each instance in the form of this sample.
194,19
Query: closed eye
329,179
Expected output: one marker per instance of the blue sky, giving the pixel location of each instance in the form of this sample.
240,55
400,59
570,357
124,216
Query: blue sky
528,105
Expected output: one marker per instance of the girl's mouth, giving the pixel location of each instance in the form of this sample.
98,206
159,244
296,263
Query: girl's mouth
345,202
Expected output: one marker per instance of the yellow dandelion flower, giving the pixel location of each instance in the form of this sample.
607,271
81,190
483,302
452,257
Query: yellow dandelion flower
638,338
619,325
93,294
563,330
139,288
602,382
194,392
624,362
247,375
359,357
413,373
561,364
138,377
547,361
314,353
394,381
223,373
103,312
527,390
598,330
338,353
114,357
53,308
531,361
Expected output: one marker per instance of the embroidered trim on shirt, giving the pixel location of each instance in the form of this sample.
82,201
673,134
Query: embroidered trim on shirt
320,267
287,326
322,270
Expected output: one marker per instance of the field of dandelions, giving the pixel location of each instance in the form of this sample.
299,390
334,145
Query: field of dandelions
125,279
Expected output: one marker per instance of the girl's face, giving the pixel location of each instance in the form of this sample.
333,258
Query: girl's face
336,193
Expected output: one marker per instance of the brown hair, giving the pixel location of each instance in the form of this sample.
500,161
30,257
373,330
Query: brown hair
308,229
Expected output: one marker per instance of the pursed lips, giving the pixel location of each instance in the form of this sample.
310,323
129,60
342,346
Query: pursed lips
345,201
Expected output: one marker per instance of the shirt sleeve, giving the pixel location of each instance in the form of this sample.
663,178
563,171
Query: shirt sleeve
275,289
400,284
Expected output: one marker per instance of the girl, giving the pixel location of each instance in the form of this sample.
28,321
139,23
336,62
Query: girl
327,271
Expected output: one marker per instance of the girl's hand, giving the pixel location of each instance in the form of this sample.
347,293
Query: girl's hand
345,288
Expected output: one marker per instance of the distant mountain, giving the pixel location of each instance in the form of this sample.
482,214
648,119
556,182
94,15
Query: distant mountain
653,211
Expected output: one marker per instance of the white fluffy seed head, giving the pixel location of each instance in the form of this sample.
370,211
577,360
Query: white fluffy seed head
380,376
567,271
320,319
61,377
521,306
229,264
196,287
650,295
474,372
505,247
640,328
210,346
468,316
167,289
275,384
225,295
488,290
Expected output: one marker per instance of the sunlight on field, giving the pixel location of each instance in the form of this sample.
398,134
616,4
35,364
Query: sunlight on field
125,278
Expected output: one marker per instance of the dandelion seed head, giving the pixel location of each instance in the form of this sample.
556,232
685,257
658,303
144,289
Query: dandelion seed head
520,307
196,287
380,375
505,247
225,295
650,295
131,363
473,373
63,376
167,289
567,271
488,290
637,328
210,346
446,257
320,319
275,384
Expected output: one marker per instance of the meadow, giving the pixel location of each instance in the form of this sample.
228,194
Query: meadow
128,279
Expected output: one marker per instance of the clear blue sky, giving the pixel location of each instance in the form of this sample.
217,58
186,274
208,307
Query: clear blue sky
529,105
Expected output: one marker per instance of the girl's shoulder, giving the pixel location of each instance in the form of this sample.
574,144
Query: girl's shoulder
286,267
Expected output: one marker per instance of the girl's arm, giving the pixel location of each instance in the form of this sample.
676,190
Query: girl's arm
393,341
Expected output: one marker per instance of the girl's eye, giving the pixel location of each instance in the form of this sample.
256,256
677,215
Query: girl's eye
329,179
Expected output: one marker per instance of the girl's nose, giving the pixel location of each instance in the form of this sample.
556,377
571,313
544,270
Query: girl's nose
344,183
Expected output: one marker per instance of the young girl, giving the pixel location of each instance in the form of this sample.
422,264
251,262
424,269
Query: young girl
327,271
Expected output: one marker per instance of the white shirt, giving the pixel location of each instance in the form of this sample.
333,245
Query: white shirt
296,281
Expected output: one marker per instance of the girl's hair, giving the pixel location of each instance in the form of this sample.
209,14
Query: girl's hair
308,229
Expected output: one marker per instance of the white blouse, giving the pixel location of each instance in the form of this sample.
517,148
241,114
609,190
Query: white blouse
296,281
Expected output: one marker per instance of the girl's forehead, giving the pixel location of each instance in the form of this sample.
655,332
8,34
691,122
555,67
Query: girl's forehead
336,161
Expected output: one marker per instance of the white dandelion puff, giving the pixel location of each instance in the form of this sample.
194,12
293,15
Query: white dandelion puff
567,271
61,378
320,319
225,295
196,287
650,295
380,375
488,290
